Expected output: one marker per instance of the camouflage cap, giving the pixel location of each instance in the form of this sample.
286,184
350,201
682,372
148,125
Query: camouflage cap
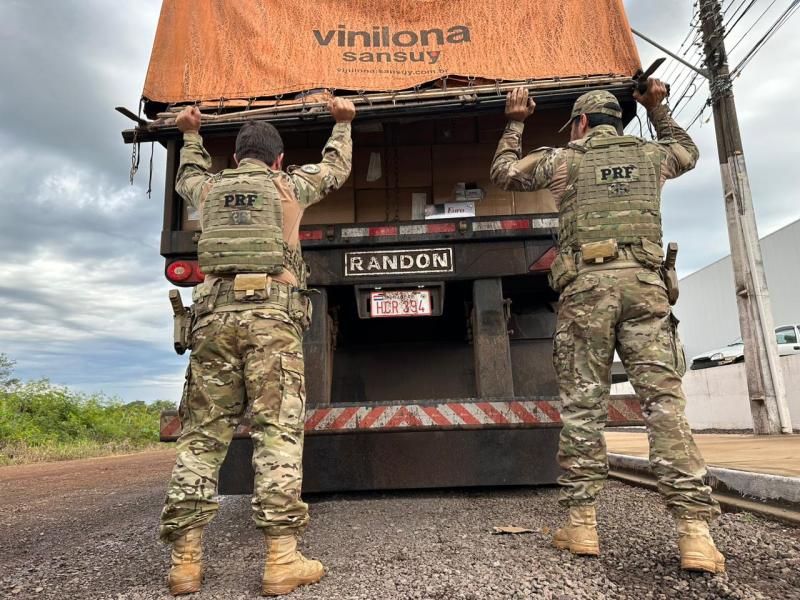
597,101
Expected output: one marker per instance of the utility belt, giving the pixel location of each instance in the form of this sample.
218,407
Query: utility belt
608,255
245,291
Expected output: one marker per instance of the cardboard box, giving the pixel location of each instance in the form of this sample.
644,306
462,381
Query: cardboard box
368,133
294,139
337,207
414,133
221,151
491,128
220,146
456,131
529,203
318,138
496,202
409,166
443,192
419,202
372,206
369,168
190,218
220,163
411,203
390,205
540,130
301,156
309,156
470,162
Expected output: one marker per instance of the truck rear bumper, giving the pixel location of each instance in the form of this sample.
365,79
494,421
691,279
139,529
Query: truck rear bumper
395,460
435,444
436,415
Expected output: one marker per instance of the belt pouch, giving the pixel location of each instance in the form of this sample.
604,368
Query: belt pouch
596,253
249,287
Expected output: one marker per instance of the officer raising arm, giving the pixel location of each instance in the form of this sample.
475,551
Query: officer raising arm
249,316
608,270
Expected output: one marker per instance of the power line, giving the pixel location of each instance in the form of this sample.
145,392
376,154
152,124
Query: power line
727,27
771,31
730,5
752,25
780,22
697,116
690,90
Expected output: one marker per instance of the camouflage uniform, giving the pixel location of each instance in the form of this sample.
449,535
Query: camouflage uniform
619,305
247,357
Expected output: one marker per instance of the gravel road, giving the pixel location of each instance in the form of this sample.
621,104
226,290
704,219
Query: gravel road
87,529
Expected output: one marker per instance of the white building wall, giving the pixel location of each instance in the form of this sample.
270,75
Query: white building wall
707,305
717,398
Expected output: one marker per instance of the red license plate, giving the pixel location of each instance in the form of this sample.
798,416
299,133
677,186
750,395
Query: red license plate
400,303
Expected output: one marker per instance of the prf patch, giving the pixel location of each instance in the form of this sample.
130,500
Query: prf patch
240,201
241,217
617,173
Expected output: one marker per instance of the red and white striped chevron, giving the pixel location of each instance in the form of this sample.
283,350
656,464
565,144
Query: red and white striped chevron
622,410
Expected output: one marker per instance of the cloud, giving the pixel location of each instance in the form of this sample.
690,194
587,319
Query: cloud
81,282
81,279
693,207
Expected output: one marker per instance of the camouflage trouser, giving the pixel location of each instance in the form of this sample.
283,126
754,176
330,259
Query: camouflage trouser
626,310
244,361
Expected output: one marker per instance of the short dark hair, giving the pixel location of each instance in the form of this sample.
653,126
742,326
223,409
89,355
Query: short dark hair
259,140
596,119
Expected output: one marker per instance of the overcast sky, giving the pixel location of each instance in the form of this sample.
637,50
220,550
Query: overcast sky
82,290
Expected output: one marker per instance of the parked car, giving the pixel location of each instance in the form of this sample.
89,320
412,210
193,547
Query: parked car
787,336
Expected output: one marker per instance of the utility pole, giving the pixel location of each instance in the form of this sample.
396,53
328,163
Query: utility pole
764,377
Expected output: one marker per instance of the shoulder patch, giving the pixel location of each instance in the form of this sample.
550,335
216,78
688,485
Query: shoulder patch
310,169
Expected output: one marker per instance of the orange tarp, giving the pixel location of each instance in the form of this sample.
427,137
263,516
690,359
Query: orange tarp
212,49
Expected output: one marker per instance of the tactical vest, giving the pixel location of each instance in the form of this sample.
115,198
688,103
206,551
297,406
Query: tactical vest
243,226
613,193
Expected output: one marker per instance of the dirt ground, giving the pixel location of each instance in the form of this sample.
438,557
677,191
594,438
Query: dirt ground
87,529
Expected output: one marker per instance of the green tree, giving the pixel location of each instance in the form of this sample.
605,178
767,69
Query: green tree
6,371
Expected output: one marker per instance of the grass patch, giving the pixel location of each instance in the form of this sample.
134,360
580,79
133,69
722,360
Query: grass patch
40,421
20,453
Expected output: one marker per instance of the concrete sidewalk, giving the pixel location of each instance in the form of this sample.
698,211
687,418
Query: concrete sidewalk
776,455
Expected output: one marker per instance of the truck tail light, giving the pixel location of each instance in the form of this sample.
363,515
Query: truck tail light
184,272
310,234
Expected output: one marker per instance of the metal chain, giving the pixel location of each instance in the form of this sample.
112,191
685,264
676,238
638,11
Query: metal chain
135,147
134,156
150,176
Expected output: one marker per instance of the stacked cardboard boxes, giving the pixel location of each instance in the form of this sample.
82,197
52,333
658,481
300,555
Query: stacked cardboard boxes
406,171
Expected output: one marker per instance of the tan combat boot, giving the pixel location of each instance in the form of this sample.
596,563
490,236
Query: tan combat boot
579,536
286,568
698,552
186,573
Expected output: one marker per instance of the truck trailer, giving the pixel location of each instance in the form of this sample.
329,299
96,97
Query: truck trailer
429,357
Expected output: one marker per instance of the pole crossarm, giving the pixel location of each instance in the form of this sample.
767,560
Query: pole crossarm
698,70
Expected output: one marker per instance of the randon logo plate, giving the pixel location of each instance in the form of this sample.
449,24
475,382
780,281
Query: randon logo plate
398,262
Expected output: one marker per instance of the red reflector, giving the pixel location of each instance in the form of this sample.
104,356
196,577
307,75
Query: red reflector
544,261
441,228
179,271
516,224
315,234
382,231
